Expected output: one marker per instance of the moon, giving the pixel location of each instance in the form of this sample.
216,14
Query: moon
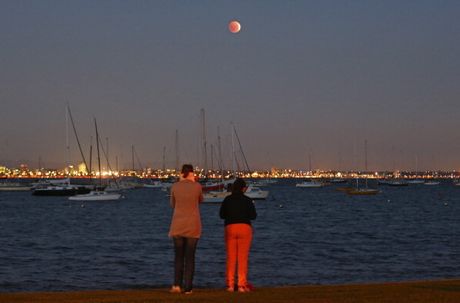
234,26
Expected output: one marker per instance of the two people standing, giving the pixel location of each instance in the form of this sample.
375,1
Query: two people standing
237,210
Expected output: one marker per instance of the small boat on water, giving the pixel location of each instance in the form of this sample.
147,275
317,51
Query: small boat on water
215,196
338,180
157,185
252,192
97,195
60,187
263,182
415,181
397,183
393,182
256,193
216,185
310,184
344,189
362,191
432,183
13,186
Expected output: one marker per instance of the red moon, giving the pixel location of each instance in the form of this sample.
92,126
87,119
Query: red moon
234,26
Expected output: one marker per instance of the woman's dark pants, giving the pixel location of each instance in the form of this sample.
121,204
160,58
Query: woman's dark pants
184,261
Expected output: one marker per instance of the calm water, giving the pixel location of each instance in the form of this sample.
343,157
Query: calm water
302,236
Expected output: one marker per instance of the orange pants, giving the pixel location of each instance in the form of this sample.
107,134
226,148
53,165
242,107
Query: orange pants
238,239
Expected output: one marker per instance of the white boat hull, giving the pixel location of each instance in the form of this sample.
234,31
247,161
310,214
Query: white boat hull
431,183
218,197
310,184
97,196
215,196
415,181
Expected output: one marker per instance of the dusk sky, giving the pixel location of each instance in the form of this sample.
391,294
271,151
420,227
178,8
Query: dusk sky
300,78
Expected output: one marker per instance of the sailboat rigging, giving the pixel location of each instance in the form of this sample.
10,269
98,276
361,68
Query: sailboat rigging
98,194
360,191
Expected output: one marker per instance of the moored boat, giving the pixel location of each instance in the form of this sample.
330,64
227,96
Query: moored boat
397,183
216,185
310,184
252,192
362,191
58,188
97,195
415,181
256,193
338,180
13,186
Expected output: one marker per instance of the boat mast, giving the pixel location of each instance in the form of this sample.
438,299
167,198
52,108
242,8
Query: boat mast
219,150
233,149
76,136
98,153
365,159
164,158
212,157
107,149
91,157
241,149
67,139
205,152
132,156
176,147
365,155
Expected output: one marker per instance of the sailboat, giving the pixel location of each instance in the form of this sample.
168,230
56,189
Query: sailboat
98,194
212,185
61,187
310,183
218,196
362,191
432,182
13,186
416,180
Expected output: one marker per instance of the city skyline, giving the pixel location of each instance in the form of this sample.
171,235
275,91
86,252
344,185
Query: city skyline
305,84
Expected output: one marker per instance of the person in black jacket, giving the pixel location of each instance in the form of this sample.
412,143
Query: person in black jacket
238,210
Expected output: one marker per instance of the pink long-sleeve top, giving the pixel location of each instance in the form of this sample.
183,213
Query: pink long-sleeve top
186,196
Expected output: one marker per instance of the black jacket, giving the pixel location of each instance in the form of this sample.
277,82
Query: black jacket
237,208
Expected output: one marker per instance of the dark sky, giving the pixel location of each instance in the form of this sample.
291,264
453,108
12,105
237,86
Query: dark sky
302,77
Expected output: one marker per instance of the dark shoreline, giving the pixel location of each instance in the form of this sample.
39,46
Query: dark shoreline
414,291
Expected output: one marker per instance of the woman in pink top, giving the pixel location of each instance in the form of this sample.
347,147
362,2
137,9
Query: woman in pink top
186,195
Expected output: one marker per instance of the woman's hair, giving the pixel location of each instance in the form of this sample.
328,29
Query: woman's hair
186,170
238,186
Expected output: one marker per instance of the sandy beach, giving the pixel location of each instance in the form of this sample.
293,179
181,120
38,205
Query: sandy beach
419,291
